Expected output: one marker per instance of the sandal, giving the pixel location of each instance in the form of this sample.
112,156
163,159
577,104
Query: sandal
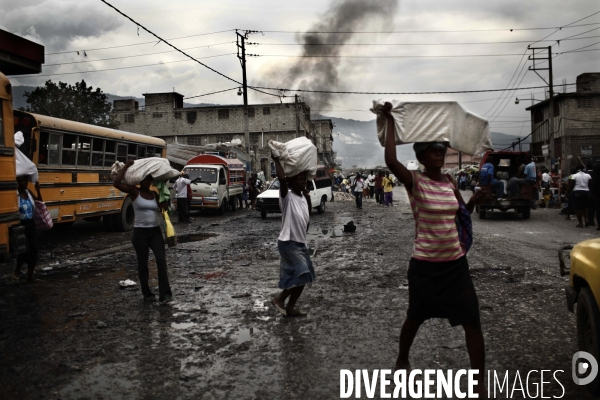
15,278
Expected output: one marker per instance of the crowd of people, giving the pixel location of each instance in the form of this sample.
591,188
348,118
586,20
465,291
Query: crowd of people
372,185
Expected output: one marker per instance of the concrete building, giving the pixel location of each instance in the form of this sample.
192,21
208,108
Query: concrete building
576,126
452,159
323,139
164,116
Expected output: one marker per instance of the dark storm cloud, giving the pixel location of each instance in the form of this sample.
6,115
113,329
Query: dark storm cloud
55,23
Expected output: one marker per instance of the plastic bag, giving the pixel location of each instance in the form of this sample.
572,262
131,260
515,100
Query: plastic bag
159,168
169,230
42,217
444,121
24,165
296,156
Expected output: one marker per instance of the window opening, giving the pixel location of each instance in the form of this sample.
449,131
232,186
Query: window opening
69,149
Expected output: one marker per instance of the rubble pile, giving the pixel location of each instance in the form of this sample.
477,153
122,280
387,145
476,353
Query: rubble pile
341,196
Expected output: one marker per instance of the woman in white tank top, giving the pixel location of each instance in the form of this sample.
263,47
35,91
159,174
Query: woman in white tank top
147,234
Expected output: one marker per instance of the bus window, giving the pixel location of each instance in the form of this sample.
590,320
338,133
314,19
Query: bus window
43,156
131,151
109,153
69,149
83,152
141,152
122,152
97,152
53,149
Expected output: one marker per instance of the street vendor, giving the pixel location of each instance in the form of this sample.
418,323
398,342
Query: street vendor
296,269
439,283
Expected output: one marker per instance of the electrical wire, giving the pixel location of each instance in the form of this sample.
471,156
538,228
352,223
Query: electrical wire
169,44
409,56
139,55
134,44
114,69
439,31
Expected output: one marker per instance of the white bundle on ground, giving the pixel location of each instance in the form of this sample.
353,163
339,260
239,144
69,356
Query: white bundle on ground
24,165
444,121
159,168
296,156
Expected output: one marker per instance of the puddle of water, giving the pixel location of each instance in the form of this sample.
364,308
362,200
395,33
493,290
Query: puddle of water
182,325
195,237
243,335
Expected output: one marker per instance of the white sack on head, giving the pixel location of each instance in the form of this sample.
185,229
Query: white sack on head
296,156
444,121
24,165
159,168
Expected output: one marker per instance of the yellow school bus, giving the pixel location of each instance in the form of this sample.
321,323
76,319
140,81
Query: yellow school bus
74,162
12,240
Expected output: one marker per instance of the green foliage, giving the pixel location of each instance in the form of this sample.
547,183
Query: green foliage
79,103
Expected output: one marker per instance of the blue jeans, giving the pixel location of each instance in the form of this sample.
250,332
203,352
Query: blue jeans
358,196
498,187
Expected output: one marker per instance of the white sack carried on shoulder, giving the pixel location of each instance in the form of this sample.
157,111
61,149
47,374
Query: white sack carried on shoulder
444,121
24,165
296,156
159,168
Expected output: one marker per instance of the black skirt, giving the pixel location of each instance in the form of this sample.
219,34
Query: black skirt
442,290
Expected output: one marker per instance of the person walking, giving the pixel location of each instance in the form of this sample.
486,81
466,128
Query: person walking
579,188
357,189
245,191
388,188
439,284
379,188
345,184
371,180
295,268
546,179
147,234
593,200
181,194
253,184
366,191
595,192
26,212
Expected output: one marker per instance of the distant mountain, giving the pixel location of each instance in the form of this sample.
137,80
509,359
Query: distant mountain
356,143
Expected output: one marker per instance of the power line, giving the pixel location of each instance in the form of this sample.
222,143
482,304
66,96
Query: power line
438,31
134,44
114,69
169,44
423,44
409,56
139,55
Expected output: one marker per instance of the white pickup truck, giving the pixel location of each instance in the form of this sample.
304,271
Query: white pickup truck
217,182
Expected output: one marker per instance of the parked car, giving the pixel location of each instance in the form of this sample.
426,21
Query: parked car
319,188
582,263
505,169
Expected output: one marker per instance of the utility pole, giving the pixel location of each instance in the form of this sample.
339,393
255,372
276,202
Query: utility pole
241,45
460,160
550,84
296,108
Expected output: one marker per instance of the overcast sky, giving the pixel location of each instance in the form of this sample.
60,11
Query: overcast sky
66,26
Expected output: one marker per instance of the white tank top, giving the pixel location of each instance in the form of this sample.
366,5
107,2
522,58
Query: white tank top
146,213
295,217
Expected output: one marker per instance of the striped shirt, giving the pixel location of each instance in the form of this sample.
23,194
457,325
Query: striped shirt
434,207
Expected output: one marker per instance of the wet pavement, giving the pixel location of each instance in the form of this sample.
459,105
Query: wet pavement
77,334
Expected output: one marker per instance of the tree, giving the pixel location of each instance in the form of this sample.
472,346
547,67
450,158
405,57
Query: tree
79,103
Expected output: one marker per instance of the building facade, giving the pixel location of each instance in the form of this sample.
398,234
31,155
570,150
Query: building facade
452,159
164,116
576,119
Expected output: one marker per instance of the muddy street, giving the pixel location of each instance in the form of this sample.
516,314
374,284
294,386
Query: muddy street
77,334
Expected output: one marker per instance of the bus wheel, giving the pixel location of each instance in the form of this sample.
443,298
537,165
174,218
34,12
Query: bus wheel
223,207
123,221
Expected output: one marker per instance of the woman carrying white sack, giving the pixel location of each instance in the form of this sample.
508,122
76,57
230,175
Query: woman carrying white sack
296,268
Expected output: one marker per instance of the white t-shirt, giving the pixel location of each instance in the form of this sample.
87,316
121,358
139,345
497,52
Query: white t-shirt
371,179
581,181
546,177
294,218
359,185
180,187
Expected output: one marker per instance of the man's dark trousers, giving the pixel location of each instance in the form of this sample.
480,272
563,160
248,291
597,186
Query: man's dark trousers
183,210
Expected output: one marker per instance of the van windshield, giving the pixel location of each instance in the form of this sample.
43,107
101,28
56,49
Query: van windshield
207,175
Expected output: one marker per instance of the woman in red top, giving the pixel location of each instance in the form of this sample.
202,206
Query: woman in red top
439,284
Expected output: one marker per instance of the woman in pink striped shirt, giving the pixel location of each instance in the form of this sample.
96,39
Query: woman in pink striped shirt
439,283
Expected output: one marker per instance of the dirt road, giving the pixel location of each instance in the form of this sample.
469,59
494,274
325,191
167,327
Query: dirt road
77,334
